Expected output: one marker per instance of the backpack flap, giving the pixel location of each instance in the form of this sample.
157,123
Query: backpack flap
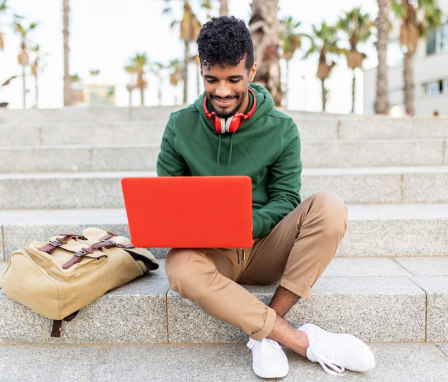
95,234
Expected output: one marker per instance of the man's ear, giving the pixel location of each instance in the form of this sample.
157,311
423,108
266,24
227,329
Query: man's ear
252,72
202,74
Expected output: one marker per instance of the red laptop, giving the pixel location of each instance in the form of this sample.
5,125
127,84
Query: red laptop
189,212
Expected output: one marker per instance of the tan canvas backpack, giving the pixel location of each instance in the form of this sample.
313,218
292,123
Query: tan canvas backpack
59,277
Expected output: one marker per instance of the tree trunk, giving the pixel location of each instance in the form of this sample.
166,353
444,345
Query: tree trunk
353,90
185,71
382,25
36,89
142,96
24,86
159,91
324,95
130,97
223,8
67,79
408,77
265,30
198,81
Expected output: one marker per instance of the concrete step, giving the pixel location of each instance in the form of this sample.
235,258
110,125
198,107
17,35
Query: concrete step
204,363
84,114
141,157
376,299
393,128
372,230
113,114
72,130
103,189
82,133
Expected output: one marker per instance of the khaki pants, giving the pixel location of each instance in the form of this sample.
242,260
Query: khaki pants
295,252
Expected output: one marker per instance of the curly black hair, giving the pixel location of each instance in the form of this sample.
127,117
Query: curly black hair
225,40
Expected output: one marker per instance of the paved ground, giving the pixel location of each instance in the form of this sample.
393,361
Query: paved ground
226,362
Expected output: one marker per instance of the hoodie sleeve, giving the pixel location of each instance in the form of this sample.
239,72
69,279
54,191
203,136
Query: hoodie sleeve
284,185
170,162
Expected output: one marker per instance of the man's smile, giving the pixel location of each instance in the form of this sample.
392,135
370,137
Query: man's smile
223,102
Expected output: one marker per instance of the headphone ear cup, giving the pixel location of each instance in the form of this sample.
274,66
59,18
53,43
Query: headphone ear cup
217,123
234,123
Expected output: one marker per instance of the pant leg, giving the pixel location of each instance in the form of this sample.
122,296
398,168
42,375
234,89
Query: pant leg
205,277
300,246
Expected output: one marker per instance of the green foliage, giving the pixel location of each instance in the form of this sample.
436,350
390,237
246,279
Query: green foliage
356,23
22,29
397,9
75,78
323,38
291,38
206,4
139,60
431,14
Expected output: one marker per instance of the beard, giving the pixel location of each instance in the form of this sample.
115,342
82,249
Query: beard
226,114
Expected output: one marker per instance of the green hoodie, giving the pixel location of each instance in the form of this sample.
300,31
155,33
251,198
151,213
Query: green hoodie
265,147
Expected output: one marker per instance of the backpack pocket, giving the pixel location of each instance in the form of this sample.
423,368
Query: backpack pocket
53,263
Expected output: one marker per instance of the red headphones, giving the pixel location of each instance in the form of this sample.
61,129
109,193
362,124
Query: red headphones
229,125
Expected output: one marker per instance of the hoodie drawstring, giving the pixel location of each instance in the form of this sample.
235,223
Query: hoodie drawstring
230,154
219,154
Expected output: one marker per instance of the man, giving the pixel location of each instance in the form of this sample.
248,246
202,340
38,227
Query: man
233,129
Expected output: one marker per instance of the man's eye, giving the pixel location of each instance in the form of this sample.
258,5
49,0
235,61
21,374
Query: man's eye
235,81
210,81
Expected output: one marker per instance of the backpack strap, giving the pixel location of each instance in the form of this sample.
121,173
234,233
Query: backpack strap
108,236
88,251
52,245
57,324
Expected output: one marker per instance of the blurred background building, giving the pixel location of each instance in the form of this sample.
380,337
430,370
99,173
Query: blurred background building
430,73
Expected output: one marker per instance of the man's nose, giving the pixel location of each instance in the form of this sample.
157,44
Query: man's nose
223,90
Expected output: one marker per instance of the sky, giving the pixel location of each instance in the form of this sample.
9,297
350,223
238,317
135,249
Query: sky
105,34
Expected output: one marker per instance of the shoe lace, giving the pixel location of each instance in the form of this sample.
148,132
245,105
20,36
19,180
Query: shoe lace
326,359
265,344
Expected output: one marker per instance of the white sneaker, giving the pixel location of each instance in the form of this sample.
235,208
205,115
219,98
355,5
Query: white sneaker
269,360
336,352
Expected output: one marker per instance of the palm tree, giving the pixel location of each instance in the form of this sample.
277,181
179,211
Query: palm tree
67,81
176,74
189,30
382,26
357,26
264,28
156,69
198,74
138,66
35,67
3,8
416,18
23,57
324,42
131,85
292,40
6,83
94,72
223,8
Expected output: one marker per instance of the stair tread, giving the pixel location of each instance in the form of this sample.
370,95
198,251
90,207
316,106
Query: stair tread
205,362
118,215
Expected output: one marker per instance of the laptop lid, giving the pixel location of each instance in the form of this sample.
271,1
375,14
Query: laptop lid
189,212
